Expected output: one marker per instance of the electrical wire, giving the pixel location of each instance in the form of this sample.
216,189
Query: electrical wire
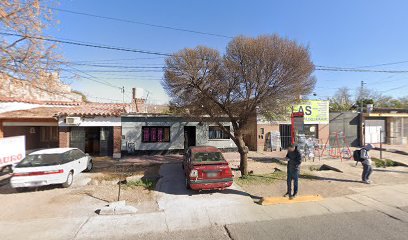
93,45
339,69
142,23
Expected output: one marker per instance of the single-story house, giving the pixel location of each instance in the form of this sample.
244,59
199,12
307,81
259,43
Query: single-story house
94,128
316,125
385,125
35,120
164,133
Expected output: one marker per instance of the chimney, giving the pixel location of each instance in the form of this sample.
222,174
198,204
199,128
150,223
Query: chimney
137,102
133,93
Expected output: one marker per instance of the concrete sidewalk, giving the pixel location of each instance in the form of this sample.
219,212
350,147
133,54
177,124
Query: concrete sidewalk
196,211
183,210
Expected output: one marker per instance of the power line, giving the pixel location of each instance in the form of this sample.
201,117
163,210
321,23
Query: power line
88,44
120,59
383,64
396,88
339,69
113,66
92,78
142,23
123,71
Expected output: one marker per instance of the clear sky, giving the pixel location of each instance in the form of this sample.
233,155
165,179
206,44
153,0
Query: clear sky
339,33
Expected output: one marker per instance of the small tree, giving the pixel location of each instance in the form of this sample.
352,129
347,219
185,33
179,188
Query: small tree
263,74
23,54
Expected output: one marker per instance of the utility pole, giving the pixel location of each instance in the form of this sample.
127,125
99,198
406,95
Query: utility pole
361,97
123,93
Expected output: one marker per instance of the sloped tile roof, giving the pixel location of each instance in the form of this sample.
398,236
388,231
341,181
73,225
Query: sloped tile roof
95,109
37,113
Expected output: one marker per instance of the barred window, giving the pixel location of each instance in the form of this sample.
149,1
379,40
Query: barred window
155,134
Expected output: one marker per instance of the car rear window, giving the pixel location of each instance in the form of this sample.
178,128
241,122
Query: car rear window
208,157
39,160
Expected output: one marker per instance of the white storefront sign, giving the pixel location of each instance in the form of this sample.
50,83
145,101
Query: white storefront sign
12,150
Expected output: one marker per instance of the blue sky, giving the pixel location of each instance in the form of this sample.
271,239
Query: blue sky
342,33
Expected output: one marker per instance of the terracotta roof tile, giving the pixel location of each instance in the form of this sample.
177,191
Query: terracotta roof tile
95,109
38,113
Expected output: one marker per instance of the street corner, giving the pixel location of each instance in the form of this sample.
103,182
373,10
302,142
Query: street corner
265,201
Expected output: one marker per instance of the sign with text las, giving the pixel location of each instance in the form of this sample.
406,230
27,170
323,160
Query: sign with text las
316,111
12,150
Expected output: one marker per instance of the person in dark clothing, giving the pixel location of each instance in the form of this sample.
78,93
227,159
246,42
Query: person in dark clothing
367,168
294,159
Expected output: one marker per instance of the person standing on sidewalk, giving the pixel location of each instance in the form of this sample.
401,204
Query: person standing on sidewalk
367,168
294,160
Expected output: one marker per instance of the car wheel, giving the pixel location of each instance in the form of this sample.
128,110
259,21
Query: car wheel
70,180
187,184
89,166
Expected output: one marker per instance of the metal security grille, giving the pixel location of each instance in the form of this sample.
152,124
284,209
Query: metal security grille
285,134
77,138
347,123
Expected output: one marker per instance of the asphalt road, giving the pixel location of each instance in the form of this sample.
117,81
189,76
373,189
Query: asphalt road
367,225
360,225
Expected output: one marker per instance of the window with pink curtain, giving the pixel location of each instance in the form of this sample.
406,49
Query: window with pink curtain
160,134
146,134
155,134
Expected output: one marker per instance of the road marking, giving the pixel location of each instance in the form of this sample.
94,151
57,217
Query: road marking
284,200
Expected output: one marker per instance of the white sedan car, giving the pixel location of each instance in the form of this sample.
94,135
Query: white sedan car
50,166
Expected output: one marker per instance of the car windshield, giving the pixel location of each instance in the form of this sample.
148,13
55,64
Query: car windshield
208,157
39,160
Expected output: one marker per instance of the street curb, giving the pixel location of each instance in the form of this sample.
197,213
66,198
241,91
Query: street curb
283,200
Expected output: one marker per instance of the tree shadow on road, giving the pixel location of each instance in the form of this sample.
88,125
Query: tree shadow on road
313,177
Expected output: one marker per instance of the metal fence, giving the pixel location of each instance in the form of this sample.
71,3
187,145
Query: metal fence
347,123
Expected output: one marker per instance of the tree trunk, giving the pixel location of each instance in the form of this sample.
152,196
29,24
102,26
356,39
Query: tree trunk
243,152
244,163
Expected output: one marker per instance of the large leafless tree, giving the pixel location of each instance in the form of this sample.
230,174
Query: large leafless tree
23,54
342,100
263,74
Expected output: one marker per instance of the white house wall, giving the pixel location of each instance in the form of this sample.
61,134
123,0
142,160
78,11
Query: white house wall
93,122
132,134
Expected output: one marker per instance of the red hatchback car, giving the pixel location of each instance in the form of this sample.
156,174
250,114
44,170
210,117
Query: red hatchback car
205,168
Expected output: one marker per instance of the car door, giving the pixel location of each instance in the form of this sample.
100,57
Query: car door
83,159
79,160
67,162
75,161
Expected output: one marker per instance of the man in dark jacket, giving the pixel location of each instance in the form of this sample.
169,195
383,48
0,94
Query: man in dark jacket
294,159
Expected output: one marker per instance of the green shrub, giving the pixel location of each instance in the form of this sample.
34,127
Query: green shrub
386,163
148,184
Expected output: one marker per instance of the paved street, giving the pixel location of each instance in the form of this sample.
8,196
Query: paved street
370,225
359,225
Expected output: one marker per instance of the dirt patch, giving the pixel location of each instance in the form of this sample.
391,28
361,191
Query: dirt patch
136,181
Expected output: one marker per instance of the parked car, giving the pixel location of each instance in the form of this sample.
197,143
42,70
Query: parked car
205,168
50,166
